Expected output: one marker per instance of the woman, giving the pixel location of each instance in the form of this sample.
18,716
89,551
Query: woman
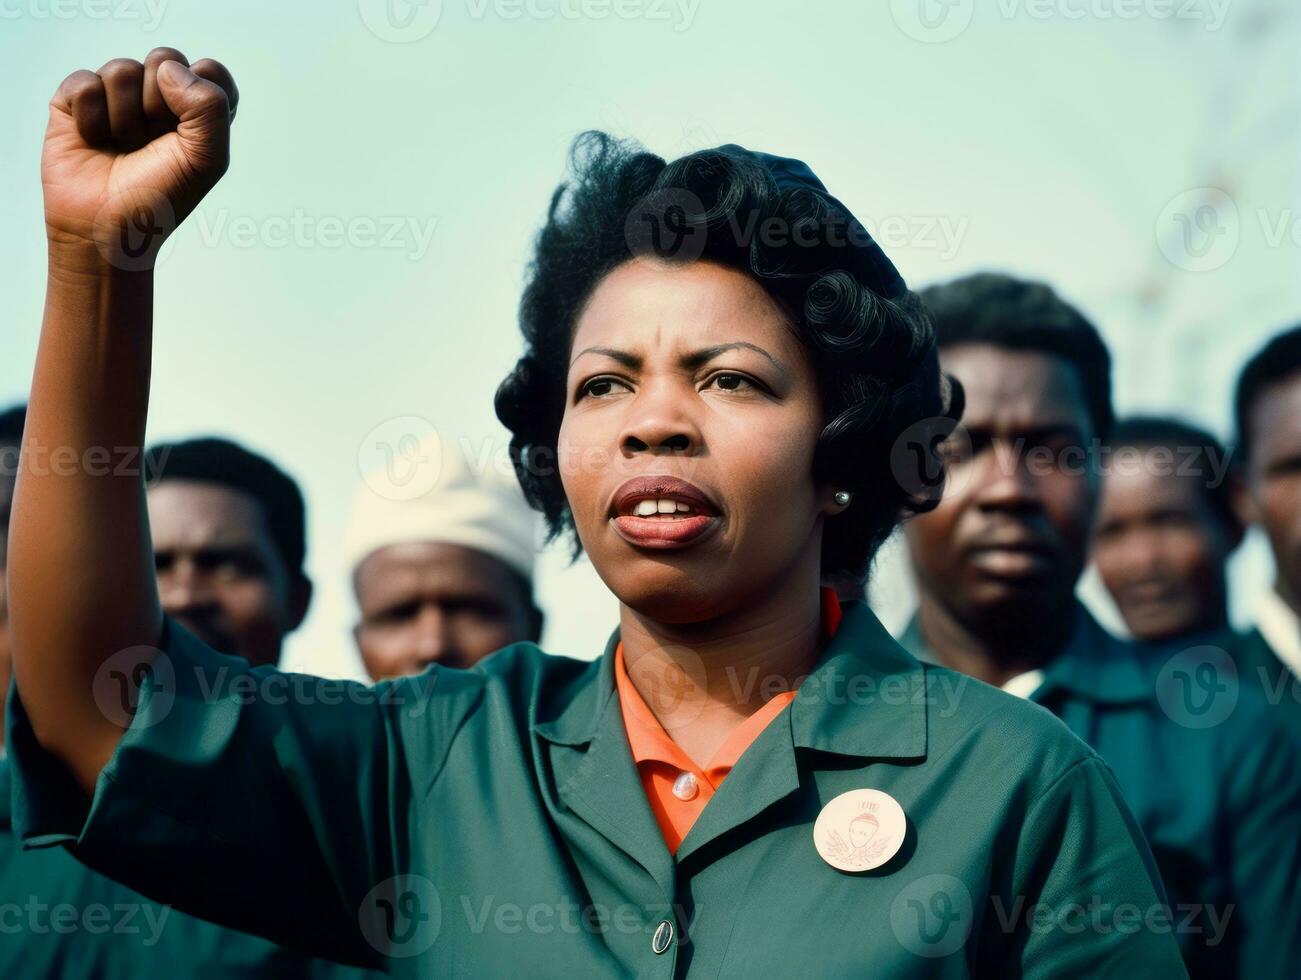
718,362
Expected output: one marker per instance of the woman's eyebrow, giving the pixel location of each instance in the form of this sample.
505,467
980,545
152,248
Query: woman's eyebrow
693,360
622,356
706,354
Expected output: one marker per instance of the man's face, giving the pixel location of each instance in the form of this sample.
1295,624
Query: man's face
1160,548
1010,536
1273,483
427,602
219,573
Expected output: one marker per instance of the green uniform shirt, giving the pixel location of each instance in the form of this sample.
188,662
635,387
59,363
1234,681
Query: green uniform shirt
61,921
1259,666
1214,782
491,823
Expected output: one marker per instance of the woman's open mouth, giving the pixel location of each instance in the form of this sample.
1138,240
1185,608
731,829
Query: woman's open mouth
662,512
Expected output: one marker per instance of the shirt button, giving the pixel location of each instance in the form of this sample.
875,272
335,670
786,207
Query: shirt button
663,936
685,786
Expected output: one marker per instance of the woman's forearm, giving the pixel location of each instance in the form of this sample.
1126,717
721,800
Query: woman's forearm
81,576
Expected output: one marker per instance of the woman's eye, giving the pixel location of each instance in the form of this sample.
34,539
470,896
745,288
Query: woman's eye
600,387
733,382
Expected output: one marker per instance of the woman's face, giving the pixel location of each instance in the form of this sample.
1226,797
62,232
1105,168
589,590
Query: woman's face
691,373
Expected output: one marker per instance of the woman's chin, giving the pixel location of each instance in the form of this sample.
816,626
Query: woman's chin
669,595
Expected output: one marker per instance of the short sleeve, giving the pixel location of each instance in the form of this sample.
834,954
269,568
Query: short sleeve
268,802
1088,899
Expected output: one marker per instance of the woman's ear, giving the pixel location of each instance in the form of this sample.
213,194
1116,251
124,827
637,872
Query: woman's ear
834,500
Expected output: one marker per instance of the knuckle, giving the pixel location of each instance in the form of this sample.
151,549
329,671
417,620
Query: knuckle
80,83
121,70
213,71
161,54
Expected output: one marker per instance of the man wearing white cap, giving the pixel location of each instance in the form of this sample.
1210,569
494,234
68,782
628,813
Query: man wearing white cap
446,576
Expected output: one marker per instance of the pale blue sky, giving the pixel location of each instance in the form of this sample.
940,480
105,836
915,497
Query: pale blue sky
1055,138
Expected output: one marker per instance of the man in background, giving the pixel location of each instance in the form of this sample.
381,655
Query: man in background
996,565
1166,528
228,534
229,537
445,577
1267,410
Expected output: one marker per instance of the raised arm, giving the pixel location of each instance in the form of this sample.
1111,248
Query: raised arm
129,151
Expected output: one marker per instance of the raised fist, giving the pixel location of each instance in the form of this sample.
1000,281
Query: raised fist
130,151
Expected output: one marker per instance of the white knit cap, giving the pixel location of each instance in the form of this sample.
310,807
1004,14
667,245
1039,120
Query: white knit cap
448,500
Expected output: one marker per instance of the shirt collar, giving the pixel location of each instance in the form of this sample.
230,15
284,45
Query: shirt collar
865,697
1093,665
1280,627
649,741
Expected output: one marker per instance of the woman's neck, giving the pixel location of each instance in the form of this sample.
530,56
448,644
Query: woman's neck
703,679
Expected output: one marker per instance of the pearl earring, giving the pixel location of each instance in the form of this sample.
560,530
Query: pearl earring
843,497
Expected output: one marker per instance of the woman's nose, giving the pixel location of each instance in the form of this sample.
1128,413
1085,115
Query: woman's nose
661,421
678,443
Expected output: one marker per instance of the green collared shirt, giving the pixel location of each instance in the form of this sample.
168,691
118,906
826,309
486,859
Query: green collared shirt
1212,778
59,919
491,822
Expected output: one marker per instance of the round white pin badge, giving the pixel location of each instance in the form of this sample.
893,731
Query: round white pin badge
860,830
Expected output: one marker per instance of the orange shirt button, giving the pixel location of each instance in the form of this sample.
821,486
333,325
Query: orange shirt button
685,786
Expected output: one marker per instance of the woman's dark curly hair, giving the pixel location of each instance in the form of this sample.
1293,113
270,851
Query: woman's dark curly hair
870,341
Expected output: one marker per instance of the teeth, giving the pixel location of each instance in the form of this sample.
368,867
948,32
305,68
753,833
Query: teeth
649,508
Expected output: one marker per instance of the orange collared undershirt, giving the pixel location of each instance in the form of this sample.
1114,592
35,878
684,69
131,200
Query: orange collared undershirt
660,762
